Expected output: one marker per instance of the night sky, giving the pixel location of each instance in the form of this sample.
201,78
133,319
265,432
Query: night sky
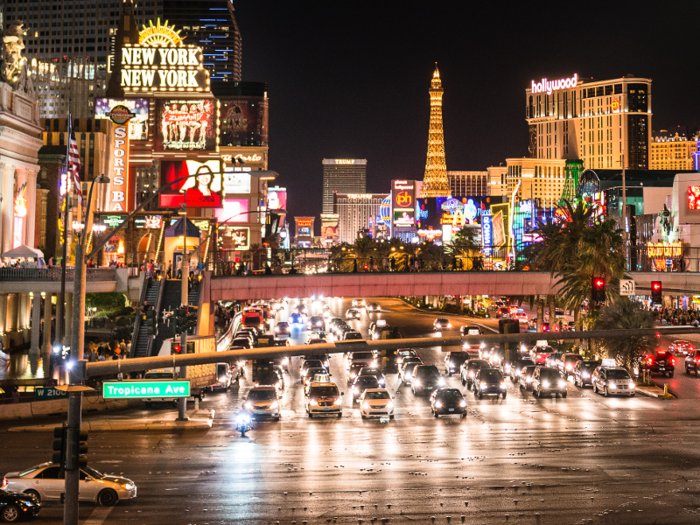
350,79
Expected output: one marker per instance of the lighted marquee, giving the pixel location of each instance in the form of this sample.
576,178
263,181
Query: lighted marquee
159,35
187,125
694,197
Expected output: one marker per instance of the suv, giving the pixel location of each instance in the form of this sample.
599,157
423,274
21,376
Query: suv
406,370
539,354
489,381
454,360
448,401
426,378
567,363
263,401
583,372
548,381
681,346
516,368
361,384
441,323
659,362
469,369
324,398
613,381
692,362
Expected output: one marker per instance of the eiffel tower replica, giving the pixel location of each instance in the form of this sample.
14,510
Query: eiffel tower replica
435,182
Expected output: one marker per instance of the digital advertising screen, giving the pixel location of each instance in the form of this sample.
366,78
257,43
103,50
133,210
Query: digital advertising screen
149,222
244,121
235,237
236,182
138,124
694,197
233,210
304,231
201,190
186,125
277,198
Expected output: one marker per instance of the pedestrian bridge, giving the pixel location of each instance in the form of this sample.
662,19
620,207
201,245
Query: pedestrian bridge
422,283
48,280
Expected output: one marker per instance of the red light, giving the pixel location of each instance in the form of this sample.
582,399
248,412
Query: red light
599,283
673,361
656,286
649,360
178,349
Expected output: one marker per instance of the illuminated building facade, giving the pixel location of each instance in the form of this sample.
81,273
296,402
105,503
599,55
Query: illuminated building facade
69,44
435,182
468,182
599,122
673,151
342,176
354,211
529,178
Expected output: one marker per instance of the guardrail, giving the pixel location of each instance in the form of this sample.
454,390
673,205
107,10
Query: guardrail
54,274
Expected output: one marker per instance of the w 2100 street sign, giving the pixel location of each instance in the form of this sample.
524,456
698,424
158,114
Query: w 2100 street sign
145,388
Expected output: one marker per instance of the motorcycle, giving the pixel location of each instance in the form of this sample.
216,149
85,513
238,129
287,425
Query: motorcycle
244,422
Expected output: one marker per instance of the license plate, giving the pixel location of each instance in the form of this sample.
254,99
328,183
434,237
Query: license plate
452,409
661,368
326,409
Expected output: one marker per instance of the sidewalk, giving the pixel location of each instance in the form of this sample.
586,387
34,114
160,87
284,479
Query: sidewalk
199,420
654,391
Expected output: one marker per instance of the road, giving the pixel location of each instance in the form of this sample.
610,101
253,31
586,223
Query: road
520,460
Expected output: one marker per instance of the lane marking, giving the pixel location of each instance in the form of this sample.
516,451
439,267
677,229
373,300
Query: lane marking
99,515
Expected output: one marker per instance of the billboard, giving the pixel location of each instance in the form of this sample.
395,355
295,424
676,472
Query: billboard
186,125
694,197
304,226
277,198
118,195
486,233
149,222
404,217
403,197
202,191
235,237
329,228
138,124
233,210
244,121
236,181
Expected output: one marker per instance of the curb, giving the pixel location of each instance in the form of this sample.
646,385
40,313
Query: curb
655,392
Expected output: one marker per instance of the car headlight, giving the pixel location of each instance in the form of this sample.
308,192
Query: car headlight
471,373
483,345
313,402
338,401
463,403
365,405
416,382
390,405
568,368
503,384
528,380
631,384
483,384
612,386
285,361
249,405
452,364
561,383
274,406
356,390
449,325
438,404
585,375
441,381
545,384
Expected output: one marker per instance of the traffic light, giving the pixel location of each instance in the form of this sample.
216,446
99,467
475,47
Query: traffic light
177,349
59,447
598,292
656,292
82,448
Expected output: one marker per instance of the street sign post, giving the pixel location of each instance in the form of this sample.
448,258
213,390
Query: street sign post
145,388
627,287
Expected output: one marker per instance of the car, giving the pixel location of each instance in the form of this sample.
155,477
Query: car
426,378
373,308
474,349
525,379
307,376
366,358
282,328
354,371
315,323
521,316
403,353
496,356
46,483
502,313
489,381
515,368
553,359
441,323
454,360
468,370
692,361
659,362
15,506
547,381
159,374
559,313
249,333
376,402
613,381
352,314
350,335
567,363
296,318
324,398
406,370
312,362
539,354
224,377
356,303
362,383
330,323
339,328
375,372
262,401
376,327
448,401
681,346
583,372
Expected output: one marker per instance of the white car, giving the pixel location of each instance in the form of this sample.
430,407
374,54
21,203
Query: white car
376,402
263,401
46,482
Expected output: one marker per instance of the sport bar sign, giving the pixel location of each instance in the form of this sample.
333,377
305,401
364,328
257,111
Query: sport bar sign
118,195
145,388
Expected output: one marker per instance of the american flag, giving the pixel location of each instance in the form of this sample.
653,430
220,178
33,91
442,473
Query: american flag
74,162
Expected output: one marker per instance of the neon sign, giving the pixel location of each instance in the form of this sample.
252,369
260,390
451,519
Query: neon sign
345,161
159,35
667,250
554,85
117,198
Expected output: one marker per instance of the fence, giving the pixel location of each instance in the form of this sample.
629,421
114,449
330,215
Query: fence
54,274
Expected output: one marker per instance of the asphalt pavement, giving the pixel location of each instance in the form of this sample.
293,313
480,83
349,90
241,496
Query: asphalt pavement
519,460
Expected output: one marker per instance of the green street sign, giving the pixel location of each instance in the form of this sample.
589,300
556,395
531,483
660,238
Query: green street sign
145,388
49,393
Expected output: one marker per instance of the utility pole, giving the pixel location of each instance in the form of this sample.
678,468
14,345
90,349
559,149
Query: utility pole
625,222
184,299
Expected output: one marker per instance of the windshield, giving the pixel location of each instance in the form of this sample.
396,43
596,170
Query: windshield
544,350
365,381
262,395
92,473
406,353
572,358
529,370
159,375
377,395
590,365
618,374
459,356
453,393
221,370
323,391
252,320
477,363
493,375
362,355
313,362
28,471
549,374
427,372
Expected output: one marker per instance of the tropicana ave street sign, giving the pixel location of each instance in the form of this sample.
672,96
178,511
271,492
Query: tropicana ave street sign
145,388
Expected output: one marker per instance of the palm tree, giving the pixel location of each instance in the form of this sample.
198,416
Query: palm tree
624,314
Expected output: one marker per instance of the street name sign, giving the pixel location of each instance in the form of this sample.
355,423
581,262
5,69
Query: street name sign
145,388
49,393
627,287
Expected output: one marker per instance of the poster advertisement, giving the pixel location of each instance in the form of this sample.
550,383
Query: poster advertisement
244,121
149,222
200,191
186,125
329,228
498,234
277,198
138,124
235,237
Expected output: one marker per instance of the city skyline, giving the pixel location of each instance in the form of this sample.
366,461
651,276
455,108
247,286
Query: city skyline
367,100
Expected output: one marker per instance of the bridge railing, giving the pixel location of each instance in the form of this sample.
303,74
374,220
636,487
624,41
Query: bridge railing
54,274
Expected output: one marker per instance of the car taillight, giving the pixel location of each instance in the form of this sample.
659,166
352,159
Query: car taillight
673,361
649,360
4,484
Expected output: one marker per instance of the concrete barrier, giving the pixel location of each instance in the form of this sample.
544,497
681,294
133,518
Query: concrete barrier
52,407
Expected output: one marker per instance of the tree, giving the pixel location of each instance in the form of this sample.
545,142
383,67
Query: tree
625,314
105,301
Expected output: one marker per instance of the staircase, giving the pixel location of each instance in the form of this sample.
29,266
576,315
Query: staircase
172,299
142,338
